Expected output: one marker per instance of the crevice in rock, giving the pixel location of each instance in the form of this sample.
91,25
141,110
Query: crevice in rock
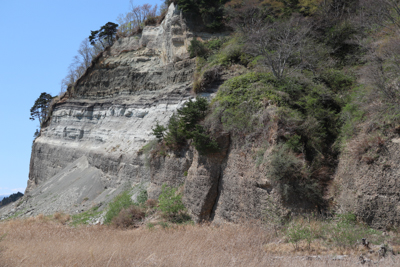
215,204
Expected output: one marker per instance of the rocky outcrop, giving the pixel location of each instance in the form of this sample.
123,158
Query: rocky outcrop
370,187
112,108
95,132
90,148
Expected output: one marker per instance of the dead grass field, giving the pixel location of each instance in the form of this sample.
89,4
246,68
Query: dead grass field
40,242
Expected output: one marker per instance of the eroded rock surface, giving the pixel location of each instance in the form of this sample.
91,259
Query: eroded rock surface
371,189
89,151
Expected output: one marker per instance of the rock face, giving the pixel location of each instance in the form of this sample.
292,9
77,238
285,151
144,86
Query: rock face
371,189
90,149
108,115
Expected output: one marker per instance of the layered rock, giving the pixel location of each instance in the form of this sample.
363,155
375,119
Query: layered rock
90,149
371,188
108,115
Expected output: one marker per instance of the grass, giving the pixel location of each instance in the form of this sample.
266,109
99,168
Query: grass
341,234
84,217
41,242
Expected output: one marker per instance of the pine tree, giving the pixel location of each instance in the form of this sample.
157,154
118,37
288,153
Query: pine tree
41,107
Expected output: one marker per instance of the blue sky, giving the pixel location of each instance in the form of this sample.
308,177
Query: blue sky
38,41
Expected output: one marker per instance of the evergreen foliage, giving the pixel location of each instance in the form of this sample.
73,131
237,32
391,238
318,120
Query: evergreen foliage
159,132
40,108
105,35
12,198
185,125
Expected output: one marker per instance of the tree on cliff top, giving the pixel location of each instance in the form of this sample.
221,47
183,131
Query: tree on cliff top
40,108
105,35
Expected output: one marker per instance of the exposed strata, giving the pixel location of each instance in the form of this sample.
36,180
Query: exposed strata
89,150
97,129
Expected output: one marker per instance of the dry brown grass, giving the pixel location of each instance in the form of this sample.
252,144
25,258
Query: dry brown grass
61,217
42,242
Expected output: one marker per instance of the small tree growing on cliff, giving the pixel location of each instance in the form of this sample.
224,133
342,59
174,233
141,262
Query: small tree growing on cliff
41,107
105,35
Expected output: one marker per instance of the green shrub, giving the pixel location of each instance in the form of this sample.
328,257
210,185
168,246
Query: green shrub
294,143
185,126
239,99
291,176
175,137
171,205
338,38
337,80
122,201
159,131
191,113
214,44
231,51
197,48
142,197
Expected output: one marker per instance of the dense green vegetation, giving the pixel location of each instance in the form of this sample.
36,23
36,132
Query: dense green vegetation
311,68
171,205
123,212
122,201
11,198
185,125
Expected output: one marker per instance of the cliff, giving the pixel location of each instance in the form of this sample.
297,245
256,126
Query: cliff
98,141
89,150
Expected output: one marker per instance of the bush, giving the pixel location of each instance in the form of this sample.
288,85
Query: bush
204,78
128,217
292,178
185,126
171,205
197,48
142,197
191,113
151,21
337,80
122,201
338,38
240,99
175,137
230,52
202,141
159,131
151,203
